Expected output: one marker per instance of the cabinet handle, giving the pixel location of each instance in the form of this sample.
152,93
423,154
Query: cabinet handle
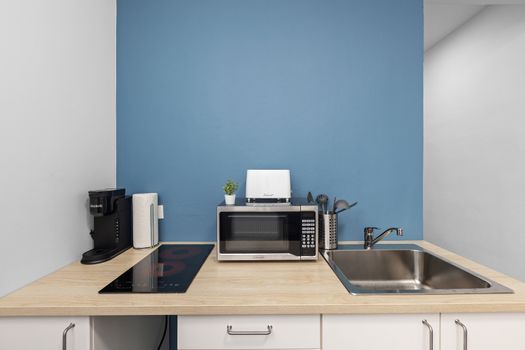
230,331
430,335
64,335
465,333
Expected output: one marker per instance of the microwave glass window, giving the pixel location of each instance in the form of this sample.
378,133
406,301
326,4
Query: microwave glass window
258,233
257,226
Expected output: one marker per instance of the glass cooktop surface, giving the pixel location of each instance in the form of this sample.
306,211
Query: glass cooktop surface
169,269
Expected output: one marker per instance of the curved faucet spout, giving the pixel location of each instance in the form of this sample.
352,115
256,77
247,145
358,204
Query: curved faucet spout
369,239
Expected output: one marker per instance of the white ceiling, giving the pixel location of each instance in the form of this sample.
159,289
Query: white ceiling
442,17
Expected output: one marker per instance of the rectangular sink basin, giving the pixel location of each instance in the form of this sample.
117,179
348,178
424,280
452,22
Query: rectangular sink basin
406,269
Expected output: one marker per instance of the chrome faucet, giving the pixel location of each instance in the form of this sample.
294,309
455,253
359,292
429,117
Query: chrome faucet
369,239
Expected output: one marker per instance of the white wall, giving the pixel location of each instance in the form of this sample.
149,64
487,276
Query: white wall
474,172
57,130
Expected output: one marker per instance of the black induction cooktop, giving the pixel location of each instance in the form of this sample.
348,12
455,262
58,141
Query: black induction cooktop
169,269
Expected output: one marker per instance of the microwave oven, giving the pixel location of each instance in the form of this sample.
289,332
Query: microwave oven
247,231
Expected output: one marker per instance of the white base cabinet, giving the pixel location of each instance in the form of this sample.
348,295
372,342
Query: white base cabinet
371,332
88,333
484,331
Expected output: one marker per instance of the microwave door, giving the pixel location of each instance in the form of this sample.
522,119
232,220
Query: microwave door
259,233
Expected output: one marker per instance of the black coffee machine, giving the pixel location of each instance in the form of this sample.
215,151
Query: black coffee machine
113,225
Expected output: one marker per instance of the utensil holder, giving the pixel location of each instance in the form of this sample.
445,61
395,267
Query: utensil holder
328,231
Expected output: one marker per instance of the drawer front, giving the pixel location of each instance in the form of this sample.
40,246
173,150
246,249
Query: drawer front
229,332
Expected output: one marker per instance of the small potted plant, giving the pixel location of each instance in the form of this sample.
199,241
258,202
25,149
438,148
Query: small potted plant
229,192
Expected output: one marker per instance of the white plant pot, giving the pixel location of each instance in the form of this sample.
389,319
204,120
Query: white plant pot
229,199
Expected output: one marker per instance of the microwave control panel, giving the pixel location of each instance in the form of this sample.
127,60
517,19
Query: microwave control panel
308,243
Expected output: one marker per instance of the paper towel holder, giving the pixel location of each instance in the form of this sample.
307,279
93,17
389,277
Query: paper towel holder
146,214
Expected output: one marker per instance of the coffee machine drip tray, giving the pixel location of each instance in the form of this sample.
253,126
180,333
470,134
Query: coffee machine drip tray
169,269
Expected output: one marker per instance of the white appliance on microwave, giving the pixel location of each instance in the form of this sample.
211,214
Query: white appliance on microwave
268,186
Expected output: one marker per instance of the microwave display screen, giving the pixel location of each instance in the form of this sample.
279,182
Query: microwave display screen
260,232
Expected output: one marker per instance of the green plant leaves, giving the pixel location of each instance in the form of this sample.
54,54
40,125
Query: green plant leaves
230,187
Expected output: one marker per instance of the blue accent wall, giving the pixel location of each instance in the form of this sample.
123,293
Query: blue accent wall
331,89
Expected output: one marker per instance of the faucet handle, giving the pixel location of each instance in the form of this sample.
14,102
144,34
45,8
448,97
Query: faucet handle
370,230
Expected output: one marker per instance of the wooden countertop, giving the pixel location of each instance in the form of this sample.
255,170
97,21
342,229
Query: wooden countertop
243,288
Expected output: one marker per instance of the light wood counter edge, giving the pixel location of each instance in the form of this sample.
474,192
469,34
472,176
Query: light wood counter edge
36,300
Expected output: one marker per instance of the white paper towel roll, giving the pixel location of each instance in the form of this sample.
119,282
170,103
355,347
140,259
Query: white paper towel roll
145,220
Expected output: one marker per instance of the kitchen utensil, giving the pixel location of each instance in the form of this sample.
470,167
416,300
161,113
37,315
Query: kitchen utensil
333,205
322,200
342,205
309,197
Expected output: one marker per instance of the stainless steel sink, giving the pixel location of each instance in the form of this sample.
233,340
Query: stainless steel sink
406,269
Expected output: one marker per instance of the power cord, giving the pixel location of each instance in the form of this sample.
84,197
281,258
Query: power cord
164,332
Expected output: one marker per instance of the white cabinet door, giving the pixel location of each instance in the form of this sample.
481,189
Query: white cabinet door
44,333
484,331
375,332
